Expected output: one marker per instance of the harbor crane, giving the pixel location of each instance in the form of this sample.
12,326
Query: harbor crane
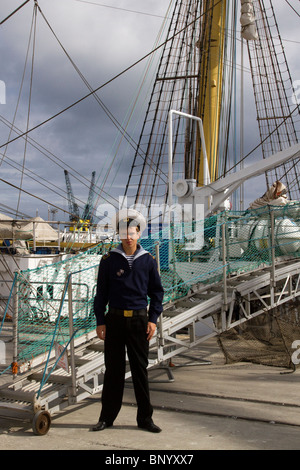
87,213
73,206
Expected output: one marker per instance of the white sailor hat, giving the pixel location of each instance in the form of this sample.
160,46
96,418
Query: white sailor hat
128,217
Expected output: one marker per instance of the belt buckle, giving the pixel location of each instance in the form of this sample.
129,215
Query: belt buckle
128,313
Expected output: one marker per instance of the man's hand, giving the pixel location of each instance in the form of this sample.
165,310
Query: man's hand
151,327
101,330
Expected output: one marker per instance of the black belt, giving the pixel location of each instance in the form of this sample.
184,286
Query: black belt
128,313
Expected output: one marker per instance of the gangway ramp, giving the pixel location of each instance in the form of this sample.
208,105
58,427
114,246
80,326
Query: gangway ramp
222,306
48,388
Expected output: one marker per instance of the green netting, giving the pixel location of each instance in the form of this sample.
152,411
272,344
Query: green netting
43,303
190,255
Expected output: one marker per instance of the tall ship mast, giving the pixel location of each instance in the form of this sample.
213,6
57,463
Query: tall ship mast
197,74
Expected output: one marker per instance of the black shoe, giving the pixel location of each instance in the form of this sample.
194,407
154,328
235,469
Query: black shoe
101,425
151,427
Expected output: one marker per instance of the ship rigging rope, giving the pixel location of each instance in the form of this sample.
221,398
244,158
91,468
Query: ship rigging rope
267,137
37,178
286,1
15,11
21,87
75,103
114,120
33,195
27,138
51,156
117,8
99,101
29,102
125,135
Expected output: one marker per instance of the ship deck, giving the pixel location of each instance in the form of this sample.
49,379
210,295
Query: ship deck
208,405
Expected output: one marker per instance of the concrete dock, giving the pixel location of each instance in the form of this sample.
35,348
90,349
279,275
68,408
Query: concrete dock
209,405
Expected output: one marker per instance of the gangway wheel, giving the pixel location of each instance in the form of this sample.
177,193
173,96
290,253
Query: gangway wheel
41,422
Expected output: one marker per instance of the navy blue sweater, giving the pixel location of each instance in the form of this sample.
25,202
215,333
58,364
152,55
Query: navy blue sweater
121,287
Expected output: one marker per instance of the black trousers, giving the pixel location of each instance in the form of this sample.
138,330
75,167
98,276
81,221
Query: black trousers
125,334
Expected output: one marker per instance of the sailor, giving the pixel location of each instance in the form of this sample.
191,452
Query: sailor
127,276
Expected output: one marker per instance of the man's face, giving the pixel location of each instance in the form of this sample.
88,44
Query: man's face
129,236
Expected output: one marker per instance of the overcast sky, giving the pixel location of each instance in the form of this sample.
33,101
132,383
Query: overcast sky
102,37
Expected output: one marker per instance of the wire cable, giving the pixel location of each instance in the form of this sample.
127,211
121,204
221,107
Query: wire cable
29,102
15,11
118,8
75,103
51,156
286,1
33,195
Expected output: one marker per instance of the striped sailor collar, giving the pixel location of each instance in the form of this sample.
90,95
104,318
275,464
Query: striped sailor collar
140,251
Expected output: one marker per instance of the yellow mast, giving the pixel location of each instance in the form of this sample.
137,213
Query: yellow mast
210,91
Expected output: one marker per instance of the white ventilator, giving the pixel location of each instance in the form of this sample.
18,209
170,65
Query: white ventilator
249,30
